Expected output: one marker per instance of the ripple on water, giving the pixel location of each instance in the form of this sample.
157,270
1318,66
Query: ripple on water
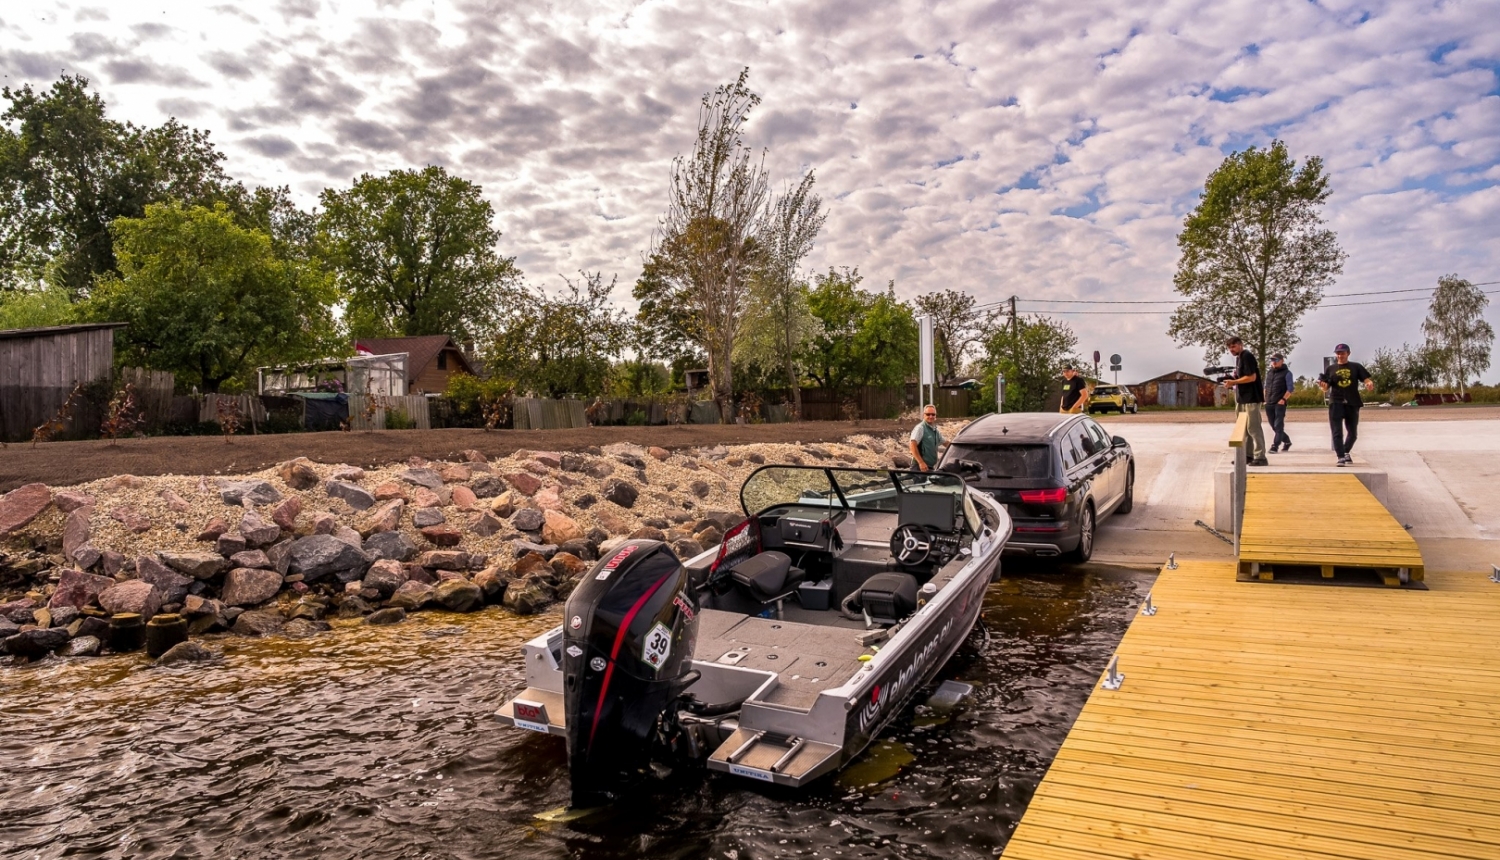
379,742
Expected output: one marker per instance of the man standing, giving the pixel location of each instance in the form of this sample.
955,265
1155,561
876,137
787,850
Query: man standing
1248,396
1075,392
1341,382
925,439
1278,389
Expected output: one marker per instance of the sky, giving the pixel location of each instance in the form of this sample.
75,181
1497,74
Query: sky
1046,150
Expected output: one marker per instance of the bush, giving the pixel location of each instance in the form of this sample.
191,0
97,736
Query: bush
636,418
469,396
397,419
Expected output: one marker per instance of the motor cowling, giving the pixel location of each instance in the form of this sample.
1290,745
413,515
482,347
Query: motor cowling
628,635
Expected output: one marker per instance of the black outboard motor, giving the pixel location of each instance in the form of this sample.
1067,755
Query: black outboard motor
628,637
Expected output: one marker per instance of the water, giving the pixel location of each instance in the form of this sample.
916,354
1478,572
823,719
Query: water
378,742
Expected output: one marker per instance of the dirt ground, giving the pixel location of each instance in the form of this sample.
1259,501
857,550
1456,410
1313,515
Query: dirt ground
60,464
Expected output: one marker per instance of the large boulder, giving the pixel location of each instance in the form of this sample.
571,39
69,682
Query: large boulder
529,595
78,589
358,497
255,492
568,566
428,478
132,595
186,652
385,518
22,505
622,493
390,545
258,623
492,581
257,532
69,501
248,586
36,642
198,565
385,576
559,528
316,556
298,474
458,595
412,595
172,585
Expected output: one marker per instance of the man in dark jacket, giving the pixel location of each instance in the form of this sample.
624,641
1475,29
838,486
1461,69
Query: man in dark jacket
1278,388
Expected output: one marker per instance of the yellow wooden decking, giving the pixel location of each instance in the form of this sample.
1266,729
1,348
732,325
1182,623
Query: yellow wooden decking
1276,723
1322,521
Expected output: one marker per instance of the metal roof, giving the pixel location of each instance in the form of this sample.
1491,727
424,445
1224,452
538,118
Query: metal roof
48,331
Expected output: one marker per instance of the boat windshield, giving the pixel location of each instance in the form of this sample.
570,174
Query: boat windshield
850,489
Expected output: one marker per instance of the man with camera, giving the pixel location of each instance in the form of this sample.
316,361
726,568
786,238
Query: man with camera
1249,394
1341,383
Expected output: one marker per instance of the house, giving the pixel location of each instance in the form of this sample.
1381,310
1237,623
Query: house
431,359
1180,388
41,367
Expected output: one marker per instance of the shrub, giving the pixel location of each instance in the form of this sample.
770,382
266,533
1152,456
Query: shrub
397,419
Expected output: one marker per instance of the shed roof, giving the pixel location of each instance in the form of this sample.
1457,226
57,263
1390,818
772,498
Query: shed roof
48,331
1177,376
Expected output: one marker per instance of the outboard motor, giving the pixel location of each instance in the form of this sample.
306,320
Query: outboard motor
628,636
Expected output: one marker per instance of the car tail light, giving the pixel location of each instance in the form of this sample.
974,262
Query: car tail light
740,543
1051,496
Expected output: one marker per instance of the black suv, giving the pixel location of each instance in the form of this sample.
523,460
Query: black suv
1057,476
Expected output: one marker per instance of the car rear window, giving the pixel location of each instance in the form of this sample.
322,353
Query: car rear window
1006,461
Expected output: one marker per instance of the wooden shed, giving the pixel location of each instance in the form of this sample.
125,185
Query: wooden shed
41,367
1181,389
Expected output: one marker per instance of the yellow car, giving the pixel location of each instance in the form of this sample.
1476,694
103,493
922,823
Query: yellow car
1108,396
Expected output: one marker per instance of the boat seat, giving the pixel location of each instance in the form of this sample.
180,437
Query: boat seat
766,575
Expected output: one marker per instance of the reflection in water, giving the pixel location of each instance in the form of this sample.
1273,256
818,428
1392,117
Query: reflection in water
378,742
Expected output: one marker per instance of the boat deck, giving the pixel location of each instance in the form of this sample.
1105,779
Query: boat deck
1276,723
807,658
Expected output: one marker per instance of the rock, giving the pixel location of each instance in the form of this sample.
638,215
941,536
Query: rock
286,513
112,562
425,517
230,543
581,548
412,595
346,472
428,478
248,586
736,462
686,548
90,626
701,489
492,581
417,573
550,459
648,533
528,520
443,535
458,595
131,519
755,458
186,652
312,609
76,532
559,528
124,482
256,492
549,499
388,491
612,521
522,482
301,628
22,505
388,615
198,565
256,622
901,461
390,545
257,532
487,486
472,455
194,605
69,501
453,473
599,469
251,558
316,556
35,643
213,529
81,646
709,536
439,559
280,556
385,576
503,505
175,502
62,616
656,523
621,493
78,589
660,454
358,497
132,595
528,595
349,536
323,523
485,524
8,628
568,566
298,474
523,547
172,585
572,462
464,498
384,518
535,468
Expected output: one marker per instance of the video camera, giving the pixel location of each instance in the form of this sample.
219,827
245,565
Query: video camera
1220,373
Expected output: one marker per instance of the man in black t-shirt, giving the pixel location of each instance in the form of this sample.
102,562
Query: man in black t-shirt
1075,392
1341,382
1248,397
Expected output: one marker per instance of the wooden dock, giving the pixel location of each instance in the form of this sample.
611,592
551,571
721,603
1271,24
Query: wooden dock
1271,723
1324,522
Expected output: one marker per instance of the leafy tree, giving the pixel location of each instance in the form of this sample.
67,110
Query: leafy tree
1031,354
34,309
862,338
209,299
67,172
561,344
415,252
666,327
957,327
1457,335
1255,253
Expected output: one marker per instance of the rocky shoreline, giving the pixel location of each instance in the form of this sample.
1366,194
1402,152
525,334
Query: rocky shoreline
279,552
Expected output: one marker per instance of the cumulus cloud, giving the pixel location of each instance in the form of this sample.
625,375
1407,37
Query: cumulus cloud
1047,150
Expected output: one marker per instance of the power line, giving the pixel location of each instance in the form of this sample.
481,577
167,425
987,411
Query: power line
1167,310
1179,301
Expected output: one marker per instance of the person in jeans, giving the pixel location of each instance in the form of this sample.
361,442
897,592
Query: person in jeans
1278,388
1341,383
1249,394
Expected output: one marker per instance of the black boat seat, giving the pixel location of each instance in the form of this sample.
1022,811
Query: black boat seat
766,575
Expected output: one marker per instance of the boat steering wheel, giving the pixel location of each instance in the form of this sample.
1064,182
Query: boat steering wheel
911,544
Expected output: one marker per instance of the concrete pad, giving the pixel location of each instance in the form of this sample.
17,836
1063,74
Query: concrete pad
1120,543
1458,554
1473,483
1419,499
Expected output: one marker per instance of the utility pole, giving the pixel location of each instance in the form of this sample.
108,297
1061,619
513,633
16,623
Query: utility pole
1015,322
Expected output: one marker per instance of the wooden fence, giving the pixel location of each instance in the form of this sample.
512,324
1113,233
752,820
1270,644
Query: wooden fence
536,413
363,417
153,394
247,406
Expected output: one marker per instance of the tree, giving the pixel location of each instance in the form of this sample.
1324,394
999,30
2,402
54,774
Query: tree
415,252
36,308
67,172
1031,354
209,299
778,323
561,344
1255,253
708,242
957,327
1457,334
862,338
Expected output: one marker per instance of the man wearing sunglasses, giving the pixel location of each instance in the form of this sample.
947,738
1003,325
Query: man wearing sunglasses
925,441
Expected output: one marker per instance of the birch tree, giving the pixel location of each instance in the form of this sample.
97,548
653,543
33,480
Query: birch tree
1458,337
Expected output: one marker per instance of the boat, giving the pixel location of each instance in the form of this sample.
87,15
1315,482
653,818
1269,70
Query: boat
778,655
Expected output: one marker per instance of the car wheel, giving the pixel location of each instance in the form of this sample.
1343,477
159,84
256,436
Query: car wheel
1127,502
1085,550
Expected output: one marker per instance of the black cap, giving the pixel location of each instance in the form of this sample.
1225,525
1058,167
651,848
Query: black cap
1276,356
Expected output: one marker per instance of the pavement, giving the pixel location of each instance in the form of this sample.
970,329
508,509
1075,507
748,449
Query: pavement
1443,480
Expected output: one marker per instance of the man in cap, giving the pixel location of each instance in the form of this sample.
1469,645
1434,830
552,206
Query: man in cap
1341,383
1075,391
1249,393
1278,388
